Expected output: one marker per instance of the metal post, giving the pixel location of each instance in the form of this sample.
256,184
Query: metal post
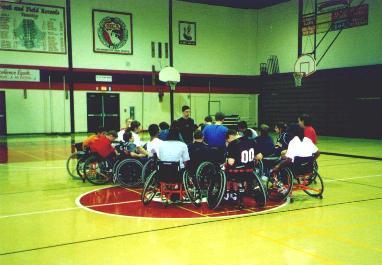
170,55
70,66
300,14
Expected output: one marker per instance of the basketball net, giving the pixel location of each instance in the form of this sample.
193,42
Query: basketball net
172,85
298,78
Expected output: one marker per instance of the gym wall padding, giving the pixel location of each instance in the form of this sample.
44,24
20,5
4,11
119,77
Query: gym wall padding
342,102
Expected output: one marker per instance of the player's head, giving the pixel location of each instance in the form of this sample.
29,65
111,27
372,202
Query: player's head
304,120
198,136
173,133
186,110
280,127
219,116
128,122
111,135
208,119
295,130
128,136
100,130
164,126
242,126
264,130
231,135
153,130
247,134
134,126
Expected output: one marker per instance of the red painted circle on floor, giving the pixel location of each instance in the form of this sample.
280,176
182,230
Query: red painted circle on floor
127,202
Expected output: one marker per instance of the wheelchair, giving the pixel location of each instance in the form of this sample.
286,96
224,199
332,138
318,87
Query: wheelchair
278,186
148,168
306,177
220,183
75,162
122,170
171,185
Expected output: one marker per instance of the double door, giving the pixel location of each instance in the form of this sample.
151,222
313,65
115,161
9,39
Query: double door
103,111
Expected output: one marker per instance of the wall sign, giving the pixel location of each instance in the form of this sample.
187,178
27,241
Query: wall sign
32,28
12,74
104,78
187,33
337,19
112,32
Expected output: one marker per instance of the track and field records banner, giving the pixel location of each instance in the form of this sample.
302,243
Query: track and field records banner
32,28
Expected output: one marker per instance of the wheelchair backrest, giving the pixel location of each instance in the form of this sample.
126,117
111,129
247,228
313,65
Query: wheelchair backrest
169,172
303,165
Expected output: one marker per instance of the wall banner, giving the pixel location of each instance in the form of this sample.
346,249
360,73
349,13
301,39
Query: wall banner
25,75
112,32
32,28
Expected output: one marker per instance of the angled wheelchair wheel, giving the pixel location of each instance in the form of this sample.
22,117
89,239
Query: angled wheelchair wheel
280,186
128,173
259,168
148,168
150,188
192,189
71,164
80,166
312,185
259,191
203,174
216,189
96,170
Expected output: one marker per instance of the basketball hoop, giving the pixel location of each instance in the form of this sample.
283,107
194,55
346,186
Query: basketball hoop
304,67
298,78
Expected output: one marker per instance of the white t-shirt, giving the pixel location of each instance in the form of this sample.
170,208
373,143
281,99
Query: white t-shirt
174,151
120,135
137,139
304,148
154,146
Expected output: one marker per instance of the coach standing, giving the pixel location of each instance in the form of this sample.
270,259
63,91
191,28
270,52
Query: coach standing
186,125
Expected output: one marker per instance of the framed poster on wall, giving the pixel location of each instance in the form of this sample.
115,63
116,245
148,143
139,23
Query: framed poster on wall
32,28
187,33
112,32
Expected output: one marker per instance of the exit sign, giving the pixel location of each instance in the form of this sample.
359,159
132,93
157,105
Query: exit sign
104,78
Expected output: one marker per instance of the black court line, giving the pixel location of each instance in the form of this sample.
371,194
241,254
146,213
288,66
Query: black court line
185,225
352,156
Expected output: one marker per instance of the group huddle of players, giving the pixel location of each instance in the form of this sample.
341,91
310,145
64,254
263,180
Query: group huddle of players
190,145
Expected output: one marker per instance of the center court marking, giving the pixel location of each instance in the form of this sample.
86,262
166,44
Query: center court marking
81,207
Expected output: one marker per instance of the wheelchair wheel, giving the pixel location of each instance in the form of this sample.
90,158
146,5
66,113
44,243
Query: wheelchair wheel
128,173
280,187
192,189
215,192
72,163
80,167
150,188
148,168
259,191
314,186
203,173
259,168
96,170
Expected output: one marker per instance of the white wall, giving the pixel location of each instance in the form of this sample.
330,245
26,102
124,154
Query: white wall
278,35
42,111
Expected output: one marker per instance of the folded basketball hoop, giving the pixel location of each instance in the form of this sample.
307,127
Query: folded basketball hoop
304,67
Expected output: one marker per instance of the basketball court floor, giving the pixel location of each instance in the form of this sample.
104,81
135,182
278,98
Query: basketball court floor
46,217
